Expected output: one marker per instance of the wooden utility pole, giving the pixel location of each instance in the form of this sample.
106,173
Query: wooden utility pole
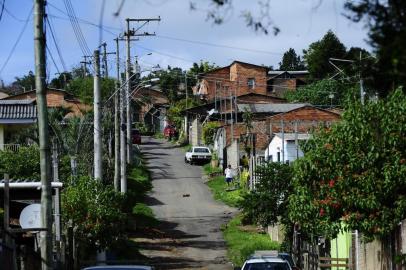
117,122
98,162
45,160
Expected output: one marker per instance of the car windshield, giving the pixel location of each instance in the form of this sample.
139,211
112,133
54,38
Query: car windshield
115,268
266,266
201,150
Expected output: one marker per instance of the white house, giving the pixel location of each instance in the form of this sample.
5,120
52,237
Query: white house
284,148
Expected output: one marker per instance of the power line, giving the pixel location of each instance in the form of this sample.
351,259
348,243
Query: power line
52,58
56,44
76,28
2,9
17,41
219,45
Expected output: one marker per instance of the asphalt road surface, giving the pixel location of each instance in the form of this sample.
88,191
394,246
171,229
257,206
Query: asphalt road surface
190,217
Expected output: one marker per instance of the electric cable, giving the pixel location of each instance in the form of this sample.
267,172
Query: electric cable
56,44
17,41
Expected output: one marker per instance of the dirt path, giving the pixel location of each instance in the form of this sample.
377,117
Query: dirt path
189,236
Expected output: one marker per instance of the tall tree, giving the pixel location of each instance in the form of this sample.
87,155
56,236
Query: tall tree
386,21
318,54
24,83
291,61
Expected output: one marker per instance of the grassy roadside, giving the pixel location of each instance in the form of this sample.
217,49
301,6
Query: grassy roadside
219,188
242,240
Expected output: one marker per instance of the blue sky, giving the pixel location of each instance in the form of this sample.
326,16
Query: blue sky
301,22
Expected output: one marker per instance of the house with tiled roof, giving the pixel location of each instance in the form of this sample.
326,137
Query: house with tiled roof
15,115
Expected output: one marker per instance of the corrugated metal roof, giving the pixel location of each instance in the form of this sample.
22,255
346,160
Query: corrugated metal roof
17,110
270,107
16,102
292,137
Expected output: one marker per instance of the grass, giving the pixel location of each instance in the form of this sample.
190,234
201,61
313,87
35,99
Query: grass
208,169
242,243
144,216
219,188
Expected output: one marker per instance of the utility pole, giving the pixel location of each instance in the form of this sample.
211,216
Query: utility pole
128,86
57,203
186,89
105,71
98,162
45,157
117,123
128,34
84,65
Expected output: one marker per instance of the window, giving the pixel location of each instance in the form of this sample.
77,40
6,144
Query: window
279,156
251,83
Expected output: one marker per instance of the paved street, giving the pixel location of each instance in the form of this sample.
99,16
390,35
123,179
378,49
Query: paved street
191,219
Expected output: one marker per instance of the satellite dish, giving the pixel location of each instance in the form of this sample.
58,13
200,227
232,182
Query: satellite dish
30,217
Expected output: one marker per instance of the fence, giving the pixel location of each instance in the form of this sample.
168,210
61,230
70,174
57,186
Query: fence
10,147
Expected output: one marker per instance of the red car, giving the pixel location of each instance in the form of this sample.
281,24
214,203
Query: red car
136,136
170,131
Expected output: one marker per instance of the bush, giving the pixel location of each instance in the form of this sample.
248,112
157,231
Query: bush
23,164
97,213
209,129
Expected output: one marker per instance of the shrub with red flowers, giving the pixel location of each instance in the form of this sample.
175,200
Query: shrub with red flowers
353,176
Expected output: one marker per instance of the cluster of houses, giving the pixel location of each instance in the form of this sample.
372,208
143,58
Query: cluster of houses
275,132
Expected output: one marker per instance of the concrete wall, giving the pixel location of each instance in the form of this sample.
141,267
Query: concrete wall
271,153
341,247
195,133
233,155
277,233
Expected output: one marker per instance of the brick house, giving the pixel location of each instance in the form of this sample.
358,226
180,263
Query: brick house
236,79
302,118
151,106
14,116
279,81
56,98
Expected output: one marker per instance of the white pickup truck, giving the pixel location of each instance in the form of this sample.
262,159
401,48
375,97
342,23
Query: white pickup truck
198,154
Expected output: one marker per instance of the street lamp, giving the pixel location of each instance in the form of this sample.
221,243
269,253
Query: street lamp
331,96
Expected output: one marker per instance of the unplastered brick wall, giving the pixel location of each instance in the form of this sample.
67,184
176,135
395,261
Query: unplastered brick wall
241,73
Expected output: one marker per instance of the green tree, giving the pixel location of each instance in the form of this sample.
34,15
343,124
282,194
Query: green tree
22,164
318,54
83,88
97,213
387,35
24,83
209,129
267,204
323,92
291,61
352,177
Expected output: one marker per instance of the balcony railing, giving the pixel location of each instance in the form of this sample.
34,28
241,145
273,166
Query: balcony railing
10,147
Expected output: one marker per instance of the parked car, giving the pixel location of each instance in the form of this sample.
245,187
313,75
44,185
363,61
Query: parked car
269,259
170,132
198,154
119,267
136,136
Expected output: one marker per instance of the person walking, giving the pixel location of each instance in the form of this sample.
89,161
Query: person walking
229,174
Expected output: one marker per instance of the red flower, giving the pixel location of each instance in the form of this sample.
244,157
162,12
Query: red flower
322,212
331,183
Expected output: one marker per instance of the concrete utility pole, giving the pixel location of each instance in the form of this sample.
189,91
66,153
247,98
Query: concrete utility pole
105,71
98,162
117,123
84,66
128,103
129,33
45,157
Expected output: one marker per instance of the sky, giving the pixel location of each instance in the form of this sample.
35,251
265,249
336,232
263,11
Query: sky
179,34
